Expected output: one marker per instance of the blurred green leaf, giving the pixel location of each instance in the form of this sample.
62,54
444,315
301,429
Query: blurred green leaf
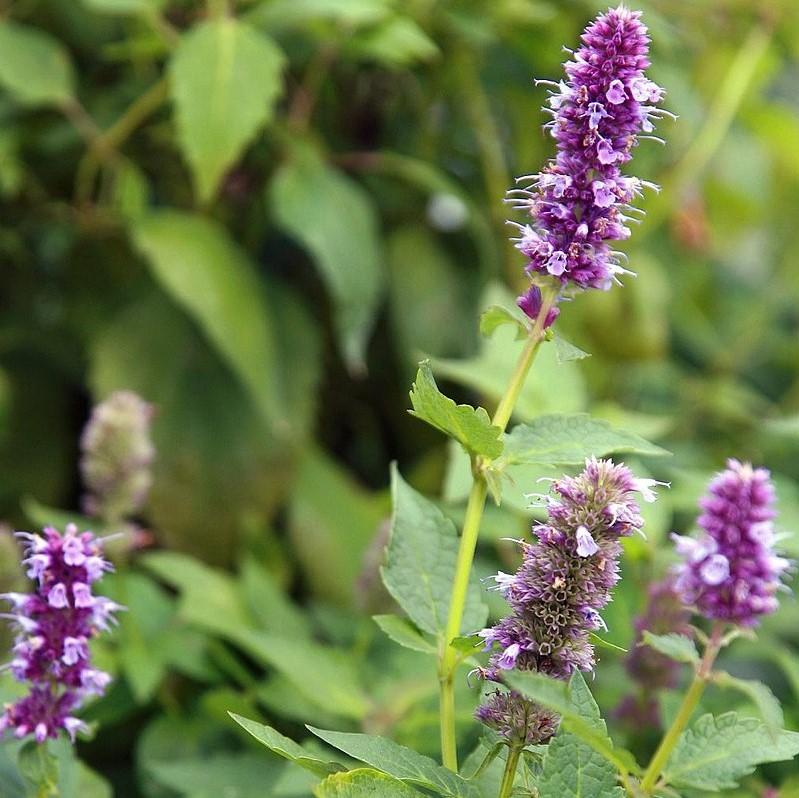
496,316
332,520
715,752
674,646
241,775
225,79
310,200
363,783
420,563
34,66
395,42
280,14
564,351
401,632
400,762
124,6
471,427
758,693
285,747
570,439
214,281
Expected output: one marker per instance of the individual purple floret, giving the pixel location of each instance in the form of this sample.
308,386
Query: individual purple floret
565,579
731,572
581,200
55,624
650,670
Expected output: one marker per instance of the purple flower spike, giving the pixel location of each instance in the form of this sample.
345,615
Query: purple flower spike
731,572
531,303
581,201
55,624
565,579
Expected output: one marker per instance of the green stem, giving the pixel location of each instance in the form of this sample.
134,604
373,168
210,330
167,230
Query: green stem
509,776
689,703
471,528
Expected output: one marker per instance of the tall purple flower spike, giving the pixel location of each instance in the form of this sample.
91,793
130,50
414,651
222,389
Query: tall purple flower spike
565,579
731,572
581,201
54,626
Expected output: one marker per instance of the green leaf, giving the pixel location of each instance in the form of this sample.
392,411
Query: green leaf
124,6
247,775
564,351
578,711
38,767
397,42
398,761
674,646
311,201
225,79
717,751
324,675
286,748
561,439
281,14
214,281
471,427
34,66
758,693
497,315
333,520
602,643
421,562
401,632
364,783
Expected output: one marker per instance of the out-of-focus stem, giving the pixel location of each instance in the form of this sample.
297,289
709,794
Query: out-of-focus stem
509,776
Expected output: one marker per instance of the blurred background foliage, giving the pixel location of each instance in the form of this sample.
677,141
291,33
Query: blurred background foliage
260,215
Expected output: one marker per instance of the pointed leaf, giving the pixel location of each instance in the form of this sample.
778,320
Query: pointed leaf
421,562
674,646
471,427
717,751
335,220
401,632
285,747
497,315
34,66
225,78
564,351
364,783
214,281
561,439
398,761
758,693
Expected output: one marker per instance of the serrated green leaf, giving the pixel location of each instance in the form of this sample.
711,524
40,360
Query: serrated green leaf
225,78
420,563
577,709
364,783
564,351
758,693
198,265
568,439
717,751
401,632
572,769
471,427
286,748
34,66
496,316
311,200
398,761
674,646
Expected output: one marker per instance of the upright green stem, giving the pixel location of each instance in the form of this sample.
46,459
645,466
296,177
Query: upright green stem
468,543
670,739
509,776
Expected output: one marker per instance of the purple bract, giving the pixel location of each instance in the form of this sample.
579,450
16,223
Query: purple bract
55,624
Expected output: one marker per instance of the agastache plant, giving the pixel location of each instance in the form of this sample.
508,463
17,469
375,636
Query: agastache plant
55,624
536,704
